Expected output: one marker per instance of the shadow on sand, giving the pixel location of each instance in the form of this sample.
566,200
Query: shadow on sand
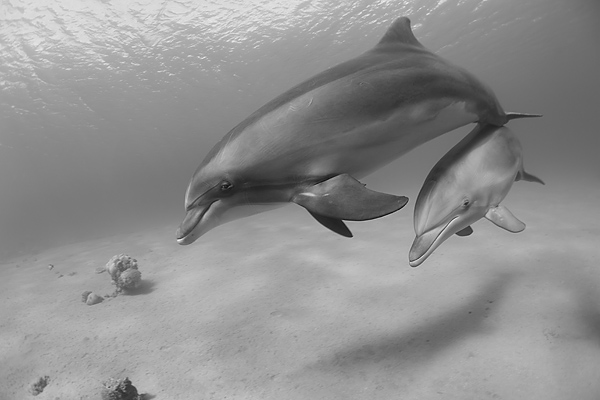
146,287
415,347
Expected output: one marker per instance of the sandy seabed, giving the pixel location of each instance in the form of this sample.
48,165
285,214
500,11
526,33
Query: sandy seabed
277,307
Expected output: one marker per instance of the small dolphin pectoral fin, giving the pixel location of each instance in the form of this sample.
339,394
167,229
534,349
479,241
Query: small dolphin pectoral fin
503,218
343,197
525,176
465,231
336,225
513,115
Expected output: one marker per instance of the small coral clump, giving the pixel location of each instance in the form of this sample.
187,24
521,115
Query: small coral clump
124,272
120,263
130,279
84,295
91,298
38,386
119,389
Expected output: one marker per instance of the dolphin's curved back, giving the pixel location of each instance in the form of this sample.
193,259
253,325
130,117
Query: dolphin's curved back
397,50
398,39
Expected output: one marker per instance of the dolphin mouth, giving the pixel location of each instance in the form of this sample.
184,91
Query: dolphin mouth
185,232
426,243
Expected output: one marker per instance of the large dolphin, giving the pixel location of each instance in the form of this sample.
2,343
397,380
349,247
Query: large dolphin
467,184
310,145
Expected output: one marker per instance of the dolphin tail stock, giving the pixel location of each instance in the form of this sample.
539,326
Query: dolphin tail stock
523,175
502,217
344,198
513,115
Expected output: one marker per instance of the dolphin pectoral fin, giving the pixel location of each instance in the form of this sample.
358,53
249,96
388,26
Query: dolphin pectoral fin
465,231
336,225
343,197
525,176
503,218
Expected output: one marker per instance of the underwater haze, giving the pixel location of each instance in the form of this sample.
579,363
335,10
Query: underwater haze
107,107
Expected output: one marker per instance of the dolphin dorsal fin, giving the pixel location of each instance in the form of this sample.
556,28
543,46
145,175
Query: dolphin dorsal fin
400,32
525,176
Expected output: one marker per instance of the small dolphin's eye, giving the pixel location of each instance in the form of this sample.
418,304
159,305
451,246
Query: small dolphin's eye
466,203
225,186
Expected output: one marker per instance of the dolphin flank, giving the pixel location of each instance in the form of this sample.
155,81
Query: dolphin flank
467,184
311,144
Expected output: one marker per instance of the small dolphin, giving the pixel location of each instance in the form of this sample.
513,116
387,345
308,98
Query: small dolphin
467,184
311,144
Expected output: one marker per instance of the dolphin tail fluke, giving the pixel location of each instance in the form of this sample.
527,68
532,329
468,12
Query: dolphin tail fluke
503,218
525,176
514,115
344,198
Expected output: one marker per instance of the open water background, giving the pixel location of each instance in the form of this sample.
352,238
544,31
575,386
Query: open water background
107,107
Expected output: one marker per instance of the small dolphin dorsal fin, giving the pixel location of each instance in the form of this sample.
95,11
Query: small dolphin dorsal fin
503,218
522,175
400,32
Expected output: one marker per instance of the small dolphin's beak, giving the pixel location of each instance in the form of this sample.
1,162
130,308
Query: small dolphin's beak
427,242
188,231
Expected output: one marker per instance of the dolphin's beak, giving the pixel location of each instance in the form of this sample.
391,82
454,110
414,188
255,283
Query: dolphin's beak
428,241
191,227
204,217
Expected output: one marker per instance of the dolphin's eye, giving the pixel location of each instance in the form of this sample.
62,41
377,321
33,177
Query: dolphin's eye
466,203
225,186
